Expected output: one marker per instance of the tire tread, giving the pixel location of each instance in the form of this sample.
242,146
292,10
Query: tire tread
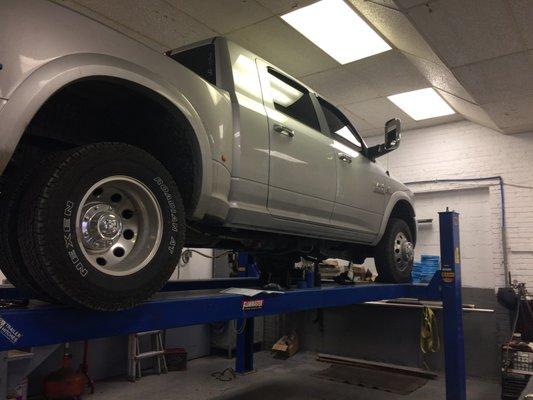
34,242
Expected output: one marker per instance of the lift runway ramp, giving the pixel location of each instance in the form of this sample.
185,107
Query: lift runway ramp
42,324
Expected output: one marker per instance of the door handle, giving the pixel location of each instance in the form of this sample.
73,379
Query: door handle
345,157
284,130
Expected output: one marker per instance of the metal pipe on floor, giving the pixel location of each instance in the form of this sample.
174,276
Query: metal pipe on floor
433,307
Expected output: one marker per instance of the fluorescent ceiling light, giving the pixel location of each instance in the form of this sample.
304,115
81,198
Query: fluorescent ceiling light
334,27
422,104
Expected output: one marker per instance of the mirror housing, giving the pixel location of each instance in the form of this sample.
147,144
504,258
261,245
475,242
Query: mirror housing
393,134
393,137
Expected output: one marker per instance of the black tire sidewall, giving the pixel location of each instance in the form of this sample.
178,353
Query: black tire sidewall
385,259
64,198
12,263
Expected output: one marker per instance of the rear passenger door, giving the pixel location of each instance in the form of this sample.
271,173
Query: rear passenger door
302,169
359,205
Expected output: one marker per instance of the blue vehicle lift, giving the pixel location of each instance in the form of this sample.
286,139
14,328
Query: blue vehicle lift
185,303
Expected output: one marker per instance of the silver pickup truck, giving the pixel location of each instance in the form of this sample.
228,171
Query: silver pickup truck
114,157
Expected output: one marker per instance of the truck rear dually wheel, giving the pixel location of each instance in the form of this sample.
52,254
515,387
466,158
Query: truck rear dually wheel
106,227
119,224
11,261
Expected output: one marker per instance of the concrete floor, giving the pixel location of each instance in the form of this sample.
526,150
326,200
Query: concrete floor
274,380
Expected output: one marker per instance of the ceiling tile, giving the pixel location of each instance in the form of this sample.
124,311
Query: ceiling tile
371,132
377,111
512,113
523,14
340,86
498,79
155,19
469,110
278,43
391,72
386,3
439,76
412,3
463,32
224,15
283,6
396,27
446,119
525,128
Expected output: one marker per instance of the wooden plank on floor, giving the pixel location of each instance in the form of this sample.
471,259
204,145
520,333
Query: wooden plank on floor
333,359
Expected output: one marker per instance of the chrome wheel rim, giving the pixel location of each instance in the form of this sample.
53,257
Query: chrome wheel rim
119,225
403,252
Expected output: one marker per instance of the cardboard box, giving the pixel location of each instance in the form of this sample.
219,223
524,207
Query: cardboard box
287,346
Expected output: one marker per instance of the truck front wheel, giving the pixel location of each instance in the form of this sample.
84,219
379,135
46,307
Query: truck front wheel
102,226
394,254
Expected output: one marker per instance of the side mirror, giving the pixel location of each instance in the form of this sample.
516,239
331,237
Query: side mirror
393,135
393,138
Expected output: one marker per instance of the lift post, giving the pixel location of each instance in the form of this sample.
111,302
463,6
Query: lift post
244,358
454,349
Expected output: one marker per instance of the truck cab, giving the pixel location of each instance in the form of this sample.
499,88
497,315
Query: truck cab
298,164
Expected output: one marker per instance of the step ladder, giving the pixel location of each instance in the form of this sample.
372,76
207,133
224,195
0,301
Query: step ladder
135,356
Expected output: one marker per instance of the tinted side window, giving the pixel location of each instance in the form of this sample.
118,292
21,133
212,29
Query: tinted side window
292,99
339,125
200,60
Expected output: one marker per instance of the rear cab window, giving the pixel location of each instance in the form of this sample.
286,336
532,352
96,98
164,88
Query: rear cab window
292,99
200,60
340,127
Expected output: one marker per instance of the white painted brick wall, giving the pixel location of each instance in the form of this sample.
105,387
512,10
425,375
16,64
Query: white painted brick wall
467,150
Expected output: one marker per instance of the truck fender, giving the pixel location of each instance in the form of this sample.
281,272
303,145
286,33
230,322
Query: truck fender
36,89
394,199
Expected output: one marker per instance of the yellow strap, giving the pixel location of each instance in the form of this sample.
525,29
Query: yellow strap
429,332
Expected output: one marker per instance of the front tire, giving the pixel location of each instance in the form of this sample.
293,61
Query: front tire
106,227
394,253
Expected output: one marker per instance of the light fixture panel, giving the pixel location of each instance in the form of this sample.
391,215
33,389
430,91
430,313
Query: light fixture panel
422,104
335,27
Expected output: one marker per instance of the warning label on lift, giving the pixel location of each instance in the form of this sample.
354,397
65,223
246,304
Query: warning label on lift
9,331
248,305
448,275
